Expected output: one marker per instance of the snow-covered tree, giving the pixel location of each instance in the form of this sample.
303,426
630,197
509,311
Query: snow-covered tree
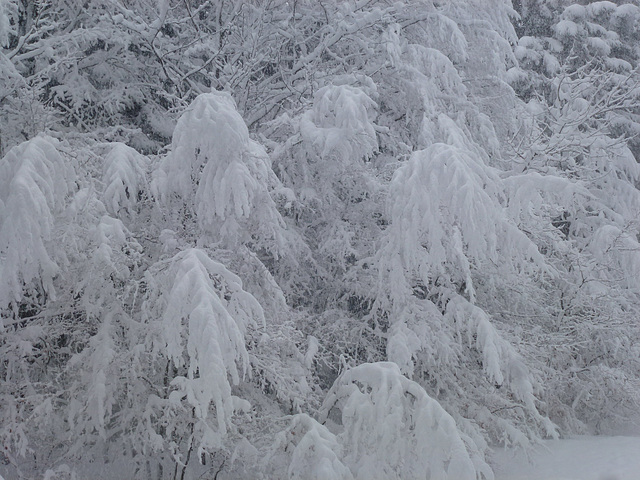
310,450
391,428
212,212
448,233
221,175
124,177
324,164
574,184
197,315
35,182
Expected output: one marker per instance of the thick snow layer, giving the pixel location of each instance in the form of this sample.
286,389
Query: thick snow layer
579,458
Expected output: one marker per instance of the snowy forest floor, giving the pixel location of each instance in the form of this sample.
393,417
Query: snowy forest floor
577,458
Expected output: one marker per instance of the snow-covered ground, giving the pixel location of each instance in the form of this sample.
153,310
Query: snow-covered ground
579,458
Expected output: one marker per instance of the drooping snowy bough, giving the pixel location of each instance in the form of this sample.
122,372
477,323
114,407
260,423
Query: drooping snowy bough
390,428
34,181
220,175
198,313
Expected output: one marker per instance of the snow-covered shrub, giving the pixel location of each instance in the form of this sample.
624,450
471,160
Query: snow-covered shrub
340,125
449,232
446,222
124,178
222,176
219,179
98,372
204,314
34,182
327,164
310,450
390,428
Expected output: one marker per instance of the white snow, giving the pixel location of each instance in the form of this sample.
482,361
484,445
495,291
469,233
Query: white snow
578,458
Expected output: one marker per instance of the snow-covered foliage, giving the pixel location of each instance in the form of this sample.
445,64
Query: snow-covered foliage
35,180
203,314
218,171
124,177
391,428
376,423
361,239
324,164
311,451
444,208
574,187
448,231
